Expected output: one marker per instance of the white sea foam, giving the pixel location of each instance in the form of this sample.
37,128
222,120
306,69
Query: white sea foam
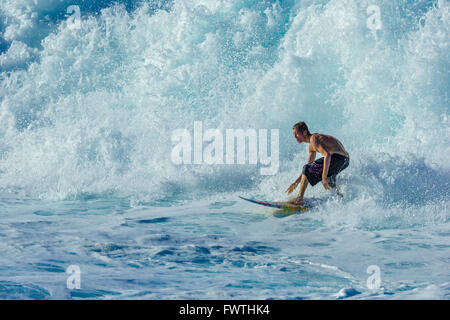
91,110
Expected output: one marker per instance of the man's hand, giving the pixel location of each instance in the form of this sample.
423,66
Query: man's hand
292,187
325,184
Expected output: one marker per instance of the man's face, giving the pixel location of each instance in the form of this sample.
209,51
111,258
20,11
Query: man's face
298,135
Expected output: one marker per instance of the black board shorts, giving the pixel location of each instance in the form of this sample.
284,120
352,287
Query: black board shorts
313,170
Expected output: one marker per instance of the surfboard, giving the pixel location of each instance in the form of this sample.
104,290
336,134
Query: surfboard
280,205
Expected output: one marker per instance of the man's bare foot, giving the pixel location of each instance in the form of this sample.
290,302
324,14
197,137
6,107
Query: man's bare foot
296,201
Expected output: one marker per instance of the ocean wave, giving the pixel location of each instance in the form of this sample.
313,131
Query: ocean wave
89,109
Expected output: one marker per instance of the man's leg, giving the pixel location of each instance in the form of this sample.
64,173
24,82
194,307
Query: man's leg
301,192
337,164
303,186
332,183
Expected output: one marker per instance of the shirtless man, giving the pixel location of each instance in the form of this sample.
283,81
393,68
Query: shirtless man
335,159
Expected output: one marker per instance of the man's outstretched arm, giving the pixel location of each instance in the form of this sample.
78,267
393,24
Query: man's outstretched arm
326,160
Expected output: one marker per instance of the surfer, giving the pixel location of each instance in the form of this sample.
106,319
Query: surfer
334,160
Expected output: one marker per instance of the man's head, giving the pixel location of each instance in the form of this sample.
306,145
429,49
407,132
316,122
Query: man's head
301,131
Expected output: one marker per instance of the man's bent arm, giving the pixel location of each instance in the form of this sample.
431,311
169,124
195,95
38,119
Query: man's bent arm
323,149
326,166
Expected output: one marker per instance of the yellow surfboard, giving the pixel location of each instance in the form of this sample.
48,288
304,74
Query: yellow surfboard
280,205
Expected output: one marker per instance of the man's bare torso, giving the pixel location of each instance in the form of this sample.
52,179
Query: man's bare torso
329,143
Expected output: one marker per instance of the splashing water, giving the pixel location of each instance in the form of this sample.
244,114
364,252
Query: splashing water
87,112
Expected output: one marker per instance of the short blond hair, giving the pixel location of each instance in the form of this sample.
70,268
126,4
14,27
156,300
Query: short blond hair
301,126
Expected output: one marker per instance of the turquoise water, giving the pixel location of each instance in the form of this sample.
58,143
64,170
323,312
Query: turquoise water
219,249
87,113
